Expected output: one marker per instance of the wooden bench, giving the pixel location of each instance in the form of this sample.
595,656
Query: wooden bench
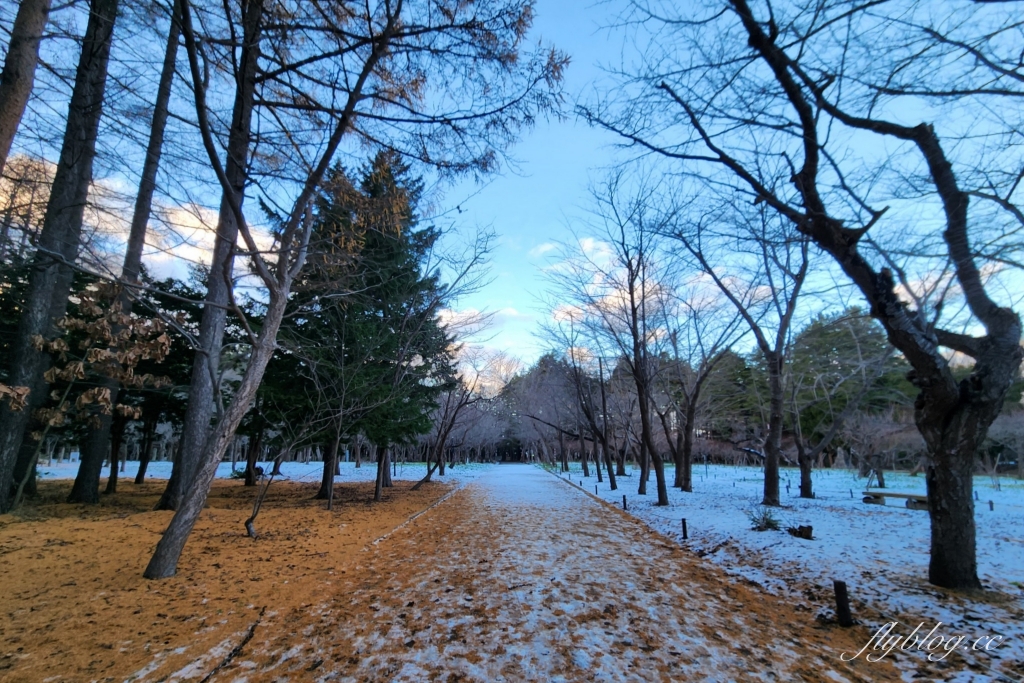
915,501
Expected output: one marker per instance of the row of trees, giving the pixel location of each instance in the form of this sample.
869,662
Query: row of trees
256,105
839,374
791,154
787,170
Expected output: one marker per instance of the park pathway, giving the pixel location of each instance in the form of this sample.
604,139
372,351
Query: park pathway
521,577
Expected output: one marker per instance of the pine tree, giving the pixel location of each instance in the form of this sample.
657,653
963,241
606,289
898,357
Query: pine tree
366,317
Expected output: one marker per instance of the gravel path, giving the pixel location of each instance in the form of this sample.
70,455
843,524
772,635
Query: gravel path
520,577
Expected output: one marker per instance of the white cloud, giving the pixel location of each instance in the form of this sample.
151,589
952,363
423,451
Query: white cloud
596,250
542,249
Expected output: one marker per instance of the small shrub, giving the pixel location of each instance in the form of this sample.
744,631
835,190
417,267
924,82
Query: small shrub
238,474
763,519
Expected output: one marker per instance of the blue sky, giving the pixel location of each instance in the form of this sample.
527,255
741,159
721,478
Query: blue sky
531,206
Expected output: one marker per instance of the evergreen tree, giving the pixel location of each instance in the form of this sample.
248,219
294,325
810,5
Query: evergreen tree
365,329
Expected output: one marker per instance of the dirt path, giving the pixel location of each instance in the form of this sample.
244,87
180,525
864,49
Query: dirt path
520,577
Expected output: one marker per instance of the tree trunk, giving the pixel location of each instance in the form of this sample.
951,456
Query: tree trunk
545,453
609,467
676,448
148,444
605,443
644,471
563,455
252,454
164,562
116,439
51,276
96,445
686,455
386,480
330,465
659,478
950,481
27,464
378,488
655,459
773,441
95,449
804,460
276,471
20,69
202,392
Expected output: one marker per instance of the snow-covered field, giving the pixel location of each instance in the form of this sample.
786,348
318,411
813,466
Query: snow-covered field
881,552
290,471
521,578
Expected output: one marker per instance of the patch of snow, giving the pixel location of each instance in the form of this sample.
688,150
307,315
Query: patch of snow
522,578
310,472
880,551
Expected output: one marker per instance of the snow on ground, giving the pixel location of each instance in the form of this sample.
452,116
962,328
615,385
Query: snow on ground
880,551
518,577
290,471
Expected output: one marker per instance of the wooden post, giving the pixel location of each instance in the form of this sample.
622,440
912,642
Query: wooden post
991,506
842,604
623,501
595,489
684,529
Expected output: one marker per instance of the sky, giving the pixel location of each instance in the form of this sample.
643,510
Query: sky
531,207
529,204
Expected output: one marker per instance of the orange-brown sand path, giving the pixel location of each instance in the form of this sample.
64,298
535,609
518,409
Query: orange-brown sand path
520,577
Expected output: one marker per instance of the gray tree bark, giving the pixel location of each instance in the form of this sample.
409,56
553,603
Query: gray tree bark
952,416
52,274
97,440
330,466
20,69
205,367
165,559
773,440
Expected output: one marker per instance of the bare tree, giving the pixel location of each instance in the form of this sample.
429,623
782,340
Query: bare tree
479,377
377,78
760,264
584,358
794,107
701,326
615,289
